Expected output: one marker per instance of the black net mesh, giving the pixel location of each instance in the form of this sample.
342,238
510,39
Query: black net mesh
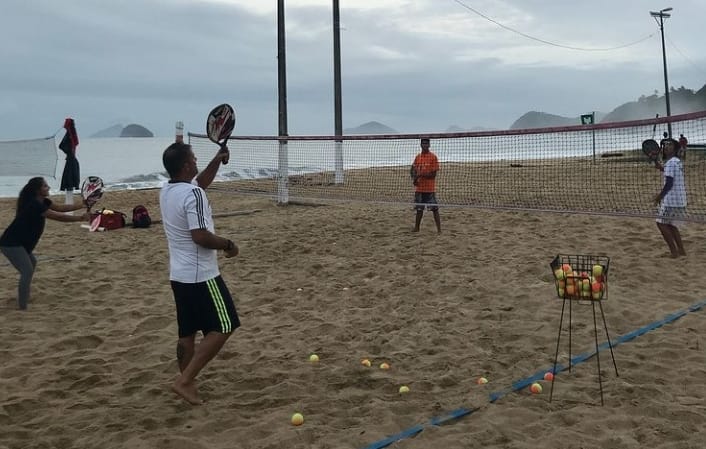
599,169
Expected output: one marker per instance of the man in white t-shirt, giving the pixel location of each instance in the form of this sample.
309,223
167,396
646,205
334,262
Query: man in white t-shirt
672,199
203,302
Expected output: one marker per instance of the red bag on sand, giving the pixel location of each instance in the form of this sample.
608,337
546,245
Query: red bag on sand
110,219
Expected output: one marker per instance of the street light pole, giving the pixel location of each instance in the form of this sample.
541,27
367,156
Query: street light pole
662,14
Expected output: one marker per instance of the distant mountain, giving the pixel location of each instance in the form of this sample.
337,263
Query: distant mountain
113,131
458,129
681,101
536,119
132,130
370,128
135,130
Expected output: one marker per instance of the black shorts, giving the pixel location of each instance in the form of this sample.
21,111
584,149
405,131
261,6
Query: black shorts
204,306
422,198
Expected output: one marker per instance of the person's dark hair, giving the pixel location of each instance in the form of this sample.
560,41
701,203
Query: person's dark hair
674,142
665,134
29,193
424,140
175,156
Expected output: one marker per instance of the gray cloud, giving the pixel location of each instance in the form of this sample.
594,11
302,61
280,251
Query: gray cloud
415,65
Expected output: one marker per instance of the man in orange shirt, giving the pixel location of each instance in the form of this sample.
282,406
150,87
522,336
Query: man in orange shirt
424,170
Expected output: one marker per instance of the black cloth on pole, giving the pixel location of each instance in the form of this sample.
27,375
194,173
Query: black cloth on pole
71,176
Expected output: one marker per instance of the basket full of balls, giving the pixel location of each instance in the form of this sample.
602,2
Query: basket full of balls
581,277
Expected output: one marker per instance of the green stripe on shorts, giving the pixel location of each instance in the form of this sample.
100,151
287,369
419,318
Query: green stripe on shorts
219,304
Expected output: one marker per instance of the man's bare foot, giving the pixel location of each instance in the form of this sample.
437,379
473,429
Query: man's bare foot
415,230
188,392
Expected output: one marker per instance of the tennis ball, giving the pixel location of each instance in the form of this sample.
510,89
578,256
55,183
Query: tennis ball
384,365
559,274
404,389
571,289
597,270
297,419
567,268
365,362
536,388
585,285
597,290
549,376
313,358
482,381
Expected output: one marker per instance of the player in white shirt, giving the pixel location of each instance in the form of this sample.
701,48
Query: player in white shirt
672,199
203,302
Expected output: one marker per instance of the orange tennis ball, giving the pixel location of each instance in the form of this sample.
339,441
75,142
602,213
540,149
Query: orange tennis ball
365,362
384,365
548,376
536,388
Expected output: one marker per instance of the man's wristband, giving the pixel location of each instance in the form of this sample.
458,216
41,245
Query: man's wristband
230,245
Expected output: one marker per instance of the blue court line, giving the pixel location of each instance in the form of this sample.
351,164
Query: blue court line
458,413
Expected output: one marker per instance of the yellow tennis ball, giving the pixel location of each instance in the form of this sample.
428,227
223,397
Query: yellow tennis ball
384,365
404,389
365,362
482,381
313,358
536,388
297,419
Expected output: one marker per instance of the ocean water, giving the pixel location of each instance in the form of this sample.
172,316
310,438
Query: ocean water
120,162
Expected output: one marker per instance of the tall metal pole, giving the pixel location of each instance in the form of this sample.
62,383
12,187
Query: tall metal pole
662,14
281,69
337,100
283,176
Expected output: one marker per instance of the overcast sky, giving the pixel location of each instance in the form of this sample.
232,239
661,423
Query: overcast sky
414,65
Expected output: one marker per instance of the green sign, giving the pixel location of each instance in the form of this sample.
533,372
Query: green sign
587,119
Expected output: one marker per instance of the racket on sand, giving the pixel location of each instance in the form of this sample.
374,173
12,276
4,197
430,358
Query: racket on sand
95,223
651,149
220,125
91,191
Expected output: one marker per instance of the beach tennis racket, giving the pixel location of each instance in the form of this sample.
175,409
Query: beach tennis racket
91,190
651,149
95,223
220,125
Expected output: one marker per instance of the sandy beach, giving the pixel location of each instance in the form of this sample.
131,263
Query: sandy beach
90,364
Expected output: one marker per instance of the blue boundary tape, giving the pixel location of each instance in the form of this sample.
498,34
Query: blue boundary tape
459,413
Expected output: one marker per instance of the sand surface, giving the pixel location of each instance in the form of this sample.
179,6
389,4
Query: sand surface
90,364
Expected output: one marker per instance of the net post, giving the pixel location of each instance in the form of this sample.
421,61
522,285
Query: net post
283,174
179,132
339,162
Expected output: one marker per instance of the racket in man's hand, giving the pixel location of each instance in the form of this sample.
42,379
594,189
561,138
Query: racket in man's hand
651,149
91,191
220,125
